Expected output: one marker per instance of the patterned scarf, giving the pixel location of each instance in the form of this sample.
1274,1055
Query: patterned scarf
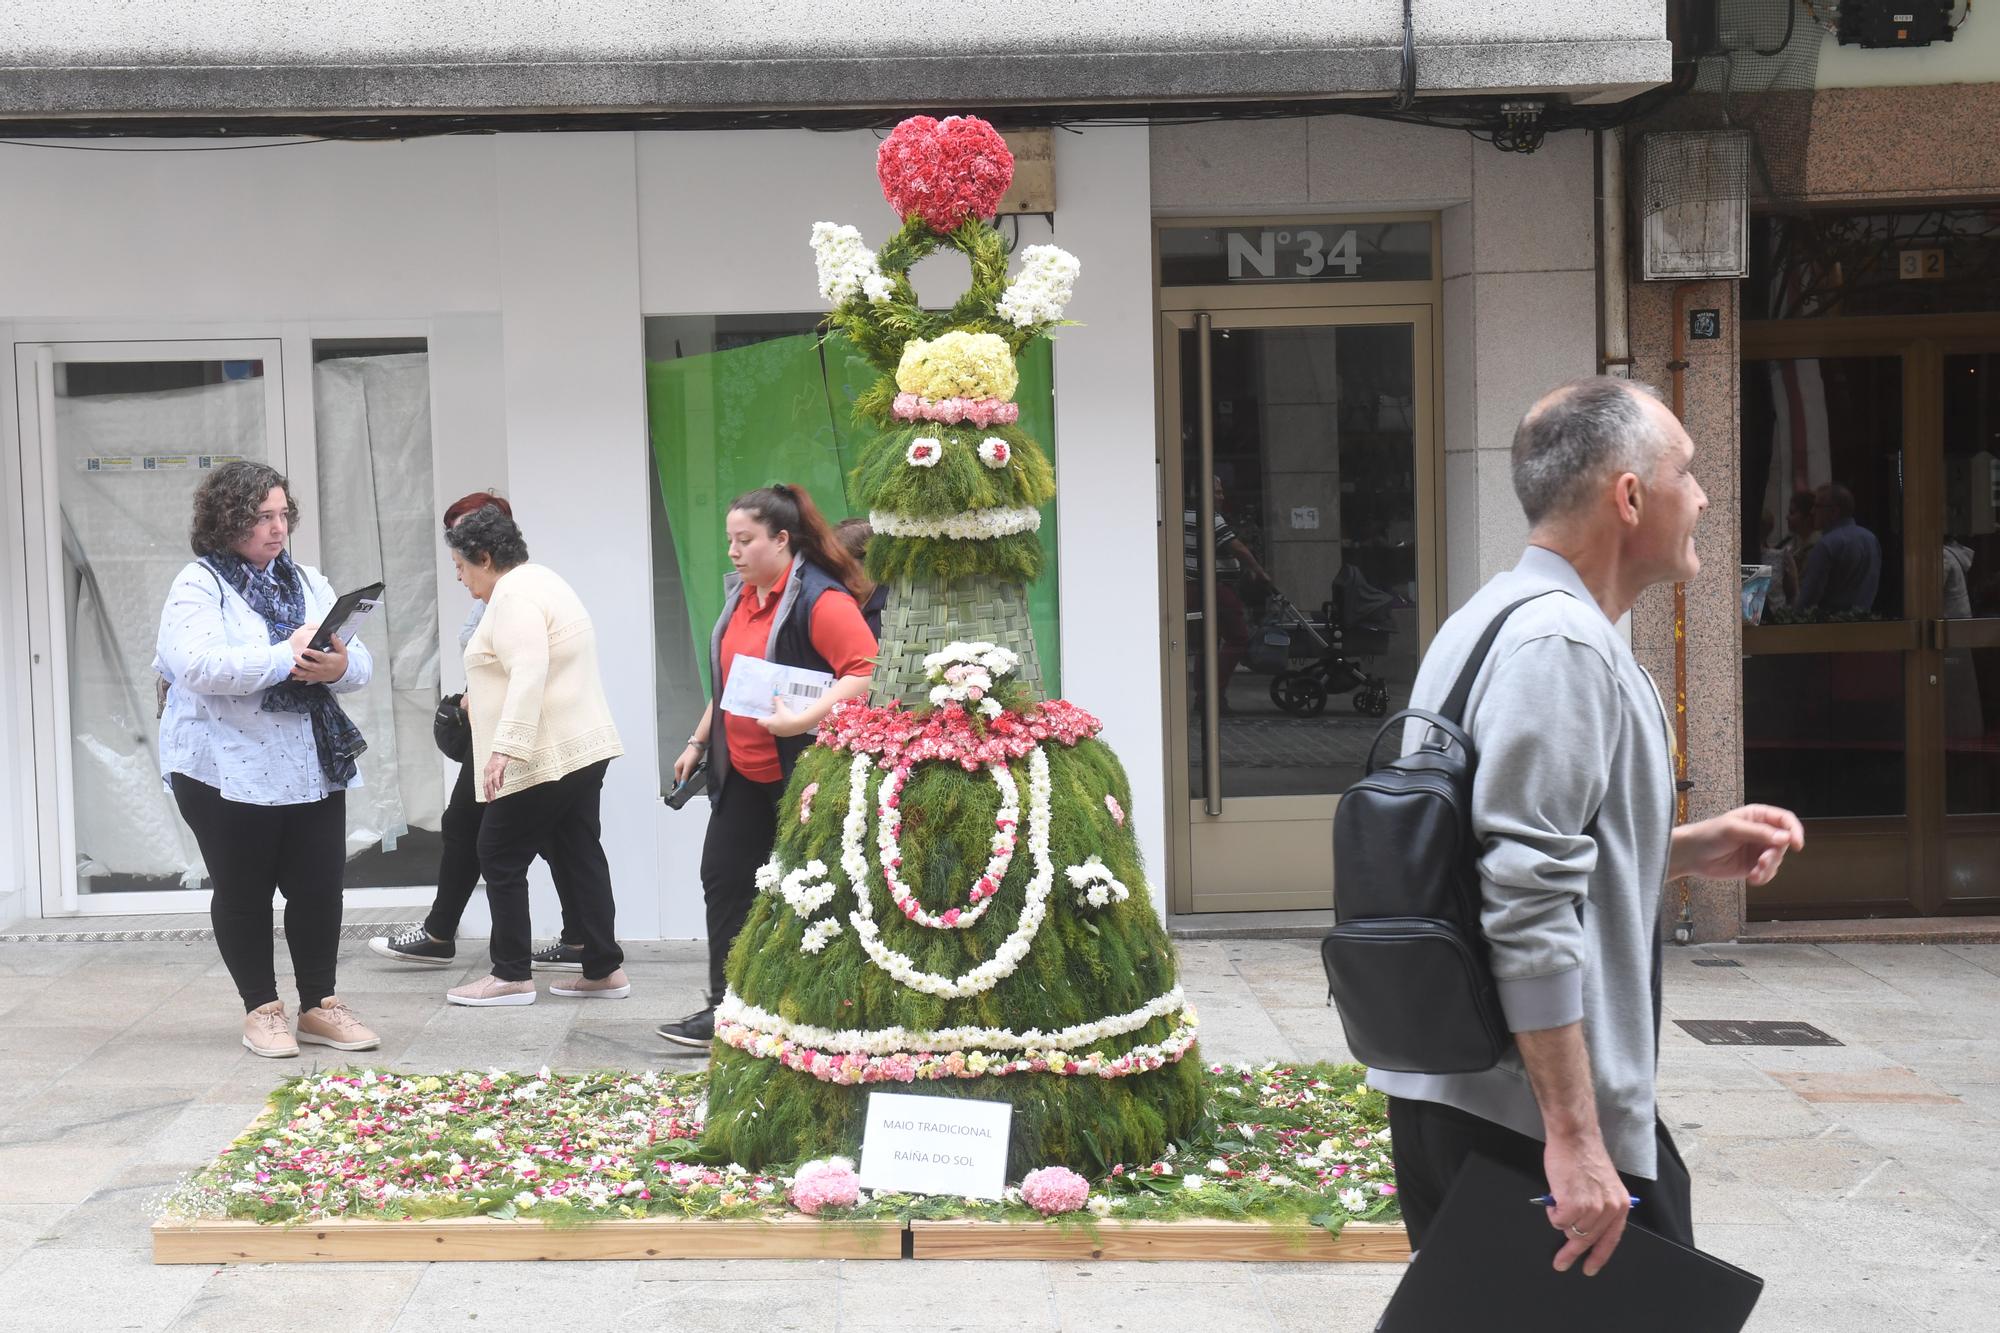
278,594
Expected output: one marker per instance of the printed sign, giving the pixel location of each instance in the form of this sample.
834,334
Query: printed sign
936,1145
1305,517
1296,252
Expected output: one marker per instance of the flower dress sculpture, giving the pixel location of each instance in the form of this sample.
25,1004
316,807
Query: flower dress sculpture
955,905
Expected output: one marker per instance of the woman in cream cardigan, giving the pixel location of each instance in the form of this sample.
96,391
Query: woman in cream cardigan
541,740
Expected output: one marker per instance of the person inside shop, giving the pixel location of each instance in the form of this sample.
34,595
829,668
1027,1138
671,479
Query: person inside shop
542,738
434,942
1845,566
854,534
258,752
794,599
1233,560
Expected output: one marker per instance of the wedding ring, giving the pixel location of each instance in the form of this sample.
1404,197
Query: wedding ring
1578,1232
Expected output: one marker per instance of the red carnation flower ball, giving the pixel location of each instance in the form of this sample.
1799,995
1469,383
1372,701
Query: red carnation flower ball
944,171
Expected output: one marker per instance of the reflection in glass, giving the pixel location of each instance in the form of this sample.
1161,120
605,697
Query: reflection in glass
1823,486
1315,541
132,440
1971,581
1823,733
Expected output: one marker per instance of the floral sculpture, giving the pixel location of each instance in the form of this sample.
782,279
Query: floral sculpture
955,905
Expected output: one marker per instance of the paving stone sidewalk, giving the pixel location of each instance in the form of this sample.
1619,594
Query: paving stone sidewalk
1862,1180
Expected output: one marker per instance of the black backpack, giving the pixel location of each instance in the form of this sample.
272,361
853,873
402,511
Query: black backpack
1406,961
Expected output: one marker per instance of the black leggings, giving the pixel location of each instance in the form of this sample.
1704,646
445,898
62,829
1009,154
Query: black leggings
298,850
1430,1141
742,829
458,866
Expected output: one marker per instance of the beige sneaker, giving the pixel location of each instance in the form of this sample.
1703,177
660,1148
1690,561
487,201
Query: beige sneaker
266,1032
333,1024
490,990
614,987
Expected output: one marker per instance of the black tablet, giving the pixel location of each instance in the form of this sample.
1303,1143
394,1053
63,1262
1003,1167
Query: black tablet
343,611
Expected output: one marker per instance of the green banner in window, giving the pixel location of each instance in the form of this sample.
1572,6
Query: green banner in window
730,421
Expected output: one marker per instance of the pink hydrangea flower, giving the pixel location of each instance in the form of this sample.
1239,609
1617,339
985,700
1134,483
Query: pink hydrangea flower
828,1184
1054,1189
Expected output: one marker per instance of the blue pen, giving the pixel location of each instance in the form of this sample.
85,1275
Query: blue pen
1549,1201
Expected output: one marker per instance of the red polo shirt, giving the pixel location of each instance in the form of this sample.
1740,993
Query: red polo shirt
838,634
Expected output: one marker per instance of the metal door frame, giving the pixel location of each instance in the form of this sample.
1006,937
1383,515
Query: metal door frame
1424,319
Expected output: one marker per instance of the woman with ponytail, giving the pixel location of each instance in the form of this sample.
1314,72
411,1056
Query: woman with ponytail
793,600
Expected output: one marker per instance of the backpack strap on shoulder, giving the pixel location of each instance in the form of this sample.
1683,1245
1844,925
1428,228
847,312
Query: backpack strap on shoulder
1461,692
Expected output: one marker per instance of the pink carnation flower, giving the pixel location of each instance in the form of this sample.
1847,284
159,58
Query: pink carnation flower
1054,1189
827,1184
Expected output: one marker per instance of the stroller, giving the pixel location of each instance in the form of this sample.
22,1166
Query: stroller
1356,619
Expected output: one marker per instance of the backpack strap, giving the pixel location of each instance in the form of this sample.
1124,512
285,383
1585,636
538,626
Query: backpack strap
1453,707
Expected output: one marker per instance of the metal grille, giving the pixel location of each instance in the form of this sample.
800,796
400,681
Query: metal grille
1746,1032
1716,962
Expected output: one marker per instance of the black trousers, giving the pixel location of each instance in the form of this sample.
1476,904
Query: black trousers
458,865
298,850
742,829
1430,1141
560,821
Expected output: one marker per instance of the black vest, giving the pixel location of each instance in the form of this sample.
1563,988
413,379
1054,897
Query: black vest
790,645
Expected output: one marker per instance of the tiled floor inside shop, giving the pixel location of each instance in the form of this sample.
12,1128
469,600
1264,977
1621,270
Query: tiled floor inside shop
1862,1180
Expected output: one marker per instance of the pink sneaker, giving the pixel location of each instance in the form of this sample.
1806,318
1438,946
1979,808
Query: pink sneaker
614,987
490,990
266,1032
333,1024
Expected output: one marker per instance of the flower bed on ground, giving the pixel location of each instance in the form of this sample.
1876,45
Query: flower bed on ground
1288,1143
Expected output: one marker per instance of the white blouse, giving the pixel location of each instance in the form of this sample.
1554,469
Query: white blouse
215,653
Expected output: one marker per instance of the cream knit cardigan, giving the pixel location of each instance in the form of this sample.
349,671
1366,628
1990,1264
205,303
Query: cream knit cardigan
531,683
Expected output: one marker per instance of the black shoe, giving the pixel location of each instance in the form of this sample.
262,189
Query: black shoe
696,1030
414,945
558,957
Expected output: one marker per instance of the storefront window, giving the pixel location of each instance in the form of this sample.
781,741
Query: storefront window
736,402
1922,261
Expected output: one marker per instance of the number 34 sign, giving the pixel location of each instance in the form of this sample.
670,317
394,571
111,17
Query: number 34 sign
1281,252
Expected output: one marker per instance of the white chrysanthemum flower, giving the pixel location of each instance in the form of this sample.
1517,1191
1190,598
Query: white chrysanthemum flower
846,266
993,452
1044,287
924,451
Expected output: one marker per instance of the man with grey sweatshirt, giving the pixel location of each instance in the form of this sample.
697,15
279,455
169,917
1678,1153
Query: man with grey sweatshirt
1573,805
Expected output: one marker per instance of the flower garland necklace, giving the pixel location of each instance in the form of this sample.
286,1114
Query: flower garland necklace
1011,951
890,854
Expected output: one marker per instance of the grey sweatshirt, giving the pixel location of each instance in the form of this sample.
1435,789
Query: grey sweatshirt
1573,805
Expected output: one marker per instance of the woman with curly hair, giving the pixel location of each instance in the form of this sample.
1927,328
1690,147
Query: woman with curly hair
259,754
542,738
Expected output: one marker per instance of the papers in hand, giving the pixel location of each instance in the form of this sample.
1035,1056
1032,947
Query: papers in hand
752,682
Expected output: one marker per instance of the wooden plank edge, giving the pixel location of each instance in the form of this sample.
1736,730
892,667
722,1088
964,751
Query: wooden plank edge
1194,1240
356,1240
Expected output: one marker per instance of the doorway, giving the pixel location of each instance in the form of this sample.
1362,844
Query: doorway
1871,691
1298,532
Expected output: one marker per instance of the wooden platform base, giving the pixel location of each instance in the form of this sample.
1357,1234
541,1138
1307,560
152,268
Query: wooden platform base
354,1241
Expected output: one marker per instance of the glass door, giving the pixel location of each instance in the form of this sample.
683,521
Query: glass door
115,438
1297,538
1871,689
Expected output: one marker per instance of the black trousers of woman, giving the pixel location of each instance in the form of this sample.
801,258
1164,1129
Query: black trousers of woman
560,821
251,850
742,829
458,865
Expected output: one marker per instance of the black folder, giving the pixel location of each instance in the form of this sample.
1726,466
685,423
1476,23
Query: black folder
1486,1265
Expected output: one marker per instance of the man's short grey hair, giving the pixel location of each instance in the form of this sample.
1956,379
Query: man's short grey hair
1578,435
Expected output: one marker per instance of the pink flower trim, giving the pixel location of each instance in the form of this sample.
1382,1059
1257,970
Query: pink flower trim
854,1068
1111,804
1054,1189
980,896
956,411
946,732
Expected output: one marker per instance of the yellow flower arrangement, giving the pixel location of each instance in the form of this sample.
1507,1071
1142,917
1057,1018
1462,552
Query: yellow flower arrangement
958,365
